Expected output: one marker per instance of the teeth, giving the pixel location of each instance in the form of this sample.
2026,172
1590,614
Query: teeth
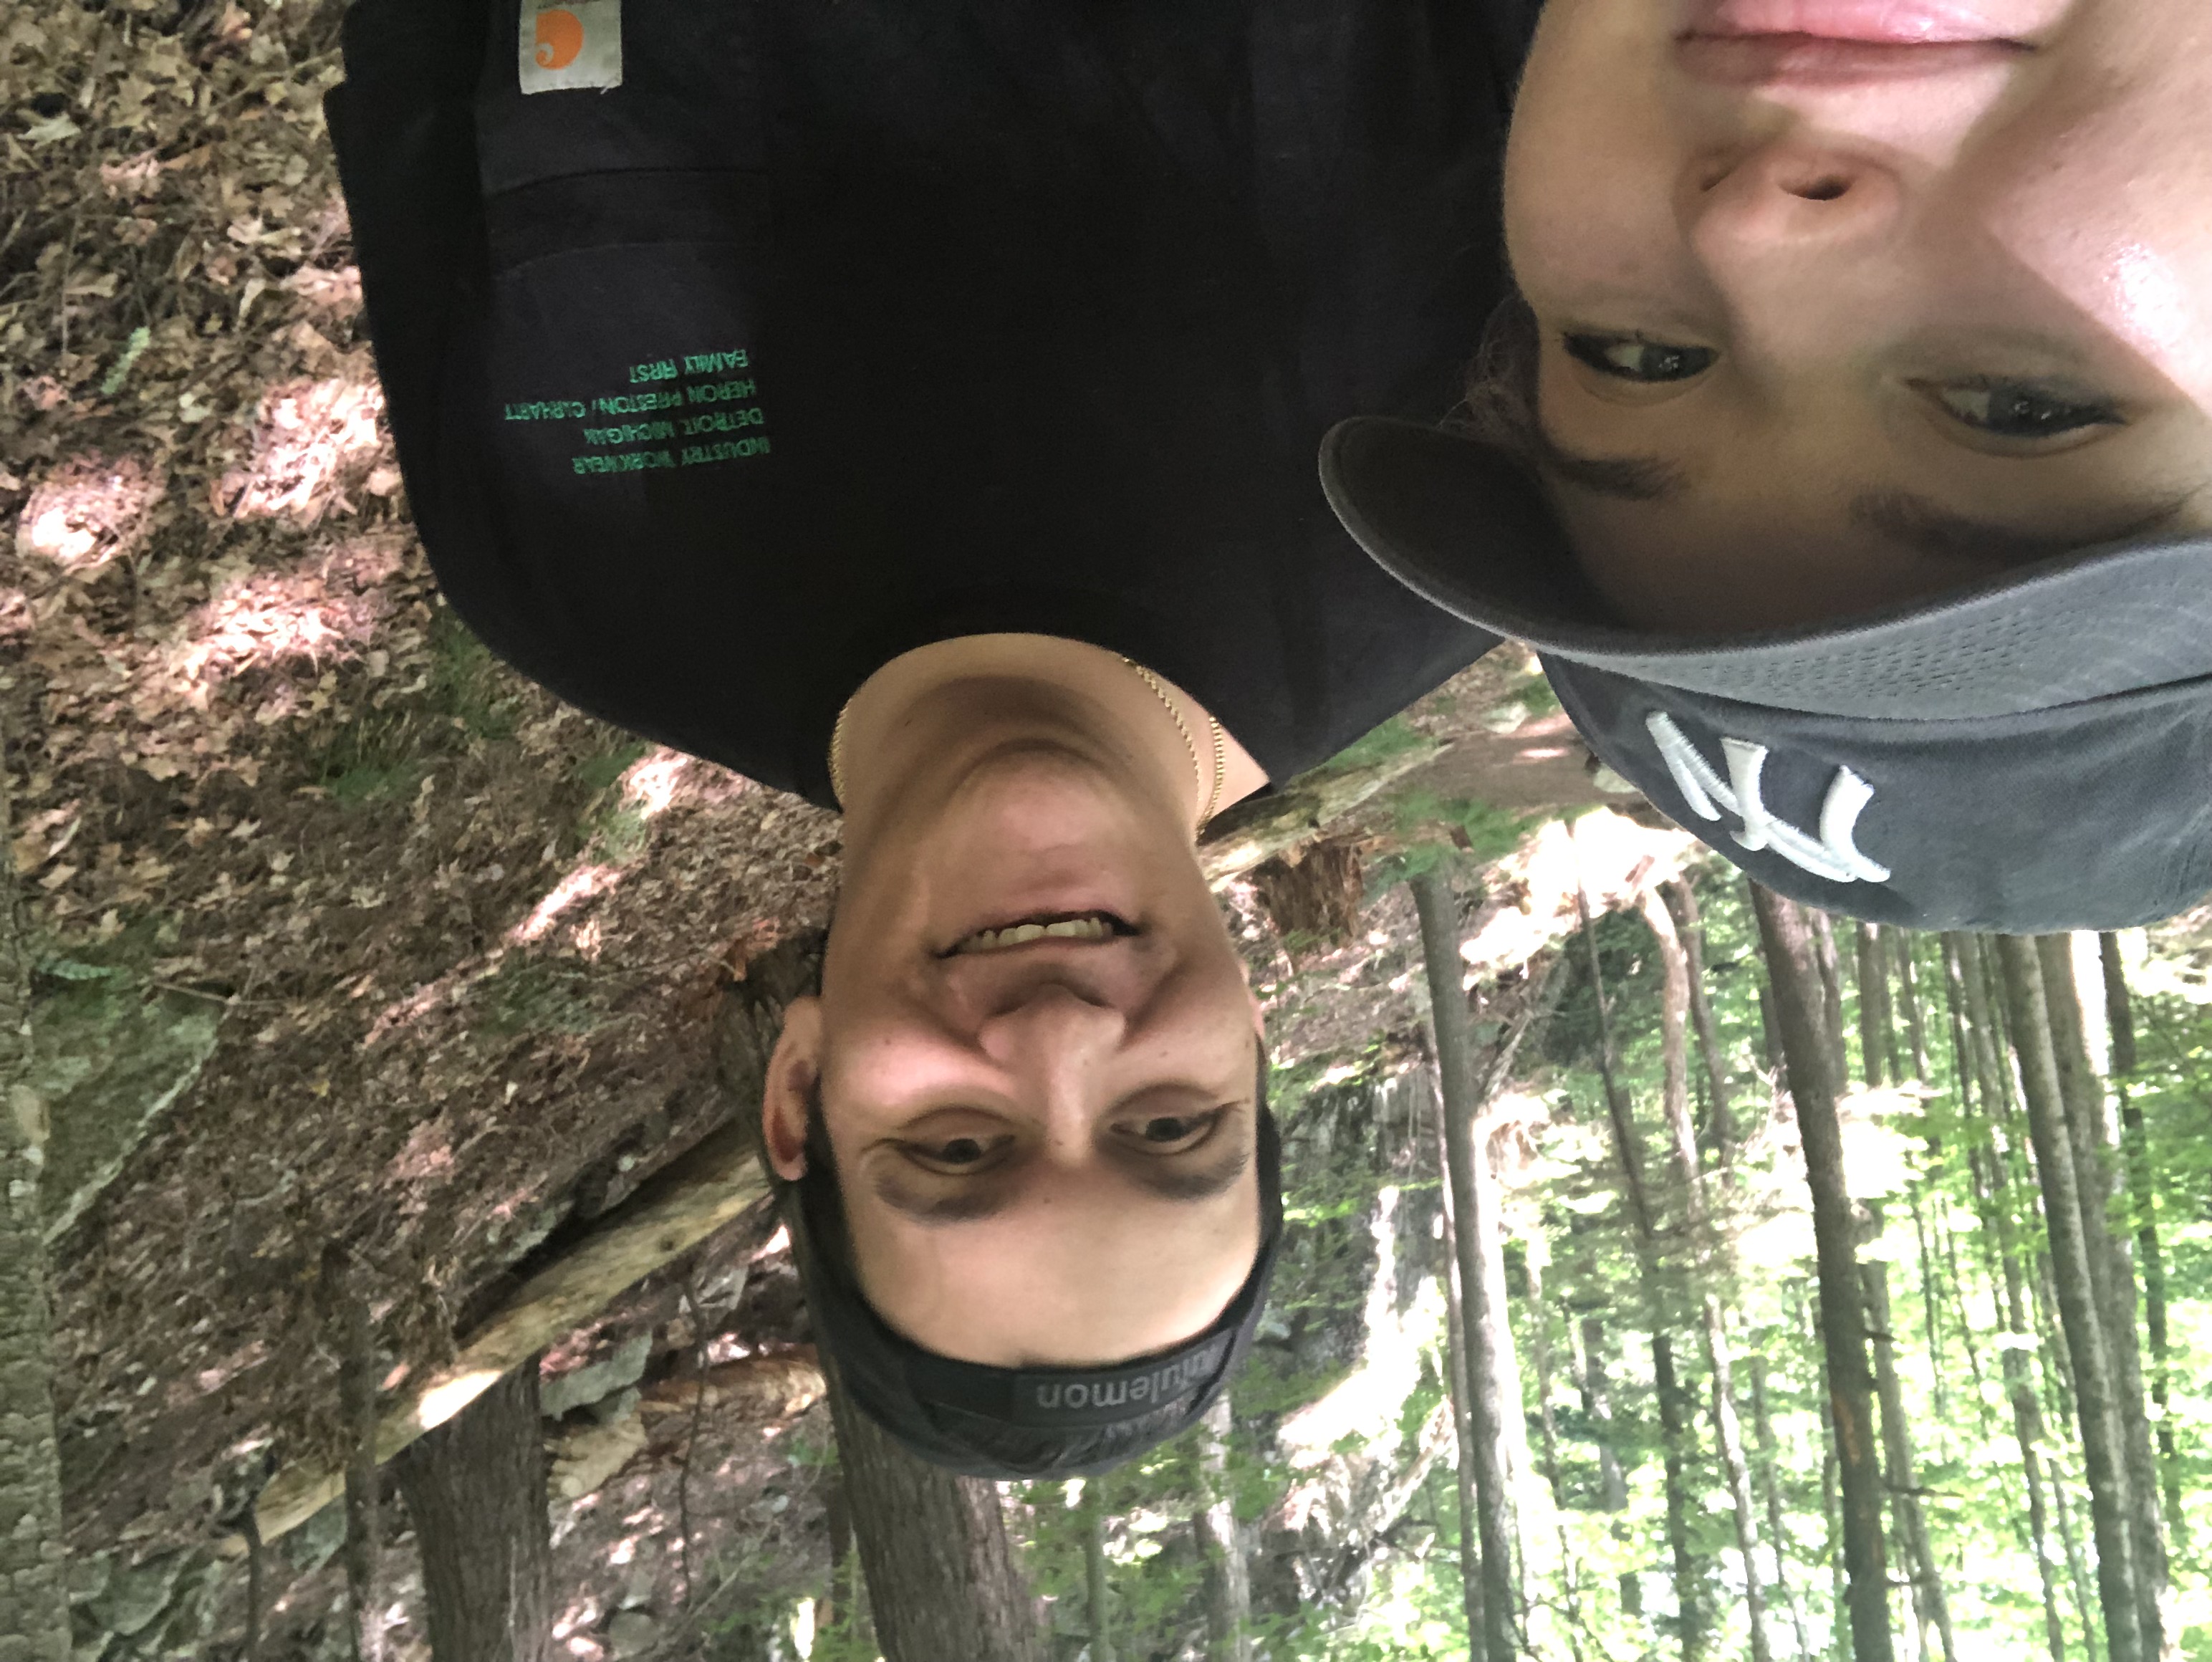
1066,928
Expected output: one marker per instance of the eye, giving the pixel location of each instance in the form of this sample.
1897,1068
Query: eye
957,1156
1626,357
1172,1134
2014,409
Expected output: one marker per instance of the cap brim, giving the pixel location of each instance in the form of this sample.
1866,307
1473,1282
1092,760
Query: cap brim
1465,527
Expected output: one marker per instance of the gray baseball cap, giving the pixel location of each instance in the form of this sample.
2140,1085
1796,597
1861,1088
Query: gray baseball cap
2030,755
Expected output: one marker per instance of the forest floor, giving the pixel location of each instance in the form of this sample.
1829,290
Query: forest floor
353,948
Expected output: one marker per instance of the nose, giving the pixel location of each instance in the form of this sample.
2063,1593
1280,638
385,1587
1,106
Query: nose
1054,1033
1761,215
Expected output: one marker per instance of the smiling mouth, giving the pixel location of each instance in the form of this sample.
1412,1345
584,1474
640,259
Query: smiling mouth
1076,927
1758,59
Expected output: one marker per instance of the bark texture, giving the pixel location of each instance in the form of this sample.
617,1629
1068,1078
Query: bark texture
2104,1458
1677,989
474,1490
1931,1606
1228,1574
943,1583
2119,1015
1485,1328
1682,903
1793,970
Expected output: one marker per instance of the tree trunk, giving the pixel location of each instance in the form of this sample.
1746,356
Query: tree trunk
364,1478
1908,989
1674,1433
1462,1401
474,1490
34,1617
1877,1030
1770,1470
1682,902
1792,968
2028,1428
1486,1331
1930,1605
1831,993
2080,1313
1540,1351
943,1582
2098,1174
1097,1597
1673,1426
1675,1001
2119,1014
1228,1577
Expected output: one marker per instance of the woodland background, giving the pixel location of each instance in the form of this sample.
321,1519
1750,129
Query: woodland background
378,1032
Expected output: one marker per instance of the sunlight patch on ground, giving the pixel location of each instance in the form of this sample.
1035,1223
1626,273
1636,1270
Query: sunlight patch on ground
328,607
665,778
310,437
582,884
87,511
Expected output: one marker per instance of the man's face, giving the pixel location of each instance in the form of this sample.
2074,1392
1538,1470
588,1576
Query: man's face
1846,302
1045,1145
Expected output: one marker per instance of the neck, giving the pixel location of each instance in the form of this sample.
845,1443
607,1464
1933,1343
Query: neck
923,719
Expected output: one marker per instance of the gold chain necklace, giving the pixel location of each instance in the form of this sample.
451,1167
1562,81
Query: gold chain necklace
1220,744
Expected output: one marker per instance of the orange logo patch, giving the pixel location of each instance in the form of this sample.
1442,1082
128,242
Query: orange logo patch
560,38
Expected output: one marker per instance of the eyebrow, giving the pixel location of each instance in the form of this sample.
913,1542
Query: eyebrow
1185,1187
1929,528
1626,478
1911,521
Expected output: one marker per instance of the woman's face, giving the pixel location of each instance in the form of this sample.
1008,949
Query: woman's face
1847,302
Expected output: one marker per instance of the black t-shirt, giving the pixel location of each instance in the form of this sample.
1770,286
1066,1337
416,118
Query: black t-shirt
840,326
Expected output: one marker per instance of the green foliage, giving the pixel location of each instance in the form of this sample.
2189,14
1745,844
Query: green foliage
1378,745
538,995
382,755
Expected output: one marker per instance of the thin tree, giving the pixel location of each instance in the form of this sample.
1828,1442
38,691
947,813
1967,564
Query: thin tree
1877,1036
1793,974
1674,1001
1931,1606
1097,1596
1908,993
1682,904
2080,1311
1462,1391
34,1615
1831,990
1770,1472
1673,1426
364,1479
474,1490
2119,1015
1484,1329
943,1581
2100,1190
1228,1577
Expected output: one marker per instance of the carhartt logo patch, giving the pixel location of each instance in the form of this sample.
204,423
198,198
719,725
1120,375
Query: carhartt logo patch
568,44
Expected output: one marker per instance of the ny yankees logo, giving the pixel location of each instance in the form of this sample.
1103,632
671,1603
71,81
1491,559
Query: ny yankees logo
1831,855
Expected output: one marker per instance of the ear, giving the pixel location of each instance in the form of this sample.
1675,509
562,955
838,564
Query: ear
794,1071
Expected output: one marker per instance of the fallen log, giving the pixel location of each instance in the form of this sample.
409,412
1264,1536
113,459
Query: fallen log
716,1183
1258,829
